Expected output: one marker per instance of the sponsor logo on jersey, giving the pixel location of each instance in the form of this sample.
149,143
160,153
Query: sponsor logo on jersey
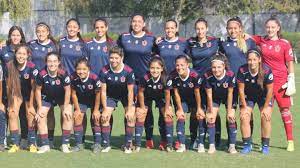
208,44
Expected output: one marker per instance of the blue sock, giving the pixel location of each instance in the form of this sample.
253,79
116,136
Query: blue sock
201,128
2,127
169,133
15,137
78,133
106,135
149,122
181,130
51,135
66,137
139,129
232,133
44,139
211,129
128,135
265,141
162,127
97,134
31,136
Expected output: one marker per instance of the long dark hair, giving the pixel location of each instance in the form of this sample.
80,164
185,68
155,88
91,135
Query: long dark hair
60,67
261,72
273,18
241,42
78,23
13,28
176,25
145,29
43,24
161,62
108,38
13,79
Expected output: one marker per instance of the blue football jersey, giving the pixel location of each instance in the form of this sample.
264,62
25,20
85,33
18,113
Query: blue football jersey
98,53
201,54
39,52
219,86
6,54
86,89
117,82
70,52
169,50
236,57
252,88
138,51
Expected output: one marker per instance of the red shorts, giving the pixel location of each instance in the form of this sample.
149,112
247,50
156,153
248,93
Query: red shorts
280,97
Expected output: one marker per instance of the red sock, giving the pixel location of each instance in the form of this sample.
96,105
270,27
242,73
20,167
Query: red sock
286,116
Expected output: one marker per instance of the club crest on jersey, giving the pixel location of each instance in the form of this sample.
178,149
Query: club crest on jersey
277,48
144,42
176,47
225,85
191,85
78,47
90,87
26,76
57,81
123,79
159,87
208,44
105,49
50,49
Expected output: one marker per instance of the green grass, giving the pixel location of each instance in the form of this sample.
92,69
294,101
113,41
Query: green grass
278,157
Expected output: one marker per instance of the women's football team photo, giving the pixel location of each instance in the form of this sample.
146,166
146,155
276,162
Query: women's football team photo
195,75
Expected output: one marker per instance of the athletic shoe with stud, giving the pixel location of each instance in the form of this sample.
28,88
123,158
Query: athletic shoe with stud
246,149
232,149
43,149
201,148
65,148
106,149
137,149
96,148
169,149
127,150
265,150
78,148
162,145
14,149
211,149
33,148
149,144
290,146
181,148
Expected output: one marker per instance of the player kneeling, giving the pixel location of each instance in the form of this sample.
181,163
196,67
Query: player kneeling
53,88
117,85
219,84
255,83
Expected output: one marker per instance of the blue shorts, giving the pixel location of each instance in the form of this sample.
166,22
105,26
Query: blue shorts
218,102
260,102
112,102
49,102
187,107
158,103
